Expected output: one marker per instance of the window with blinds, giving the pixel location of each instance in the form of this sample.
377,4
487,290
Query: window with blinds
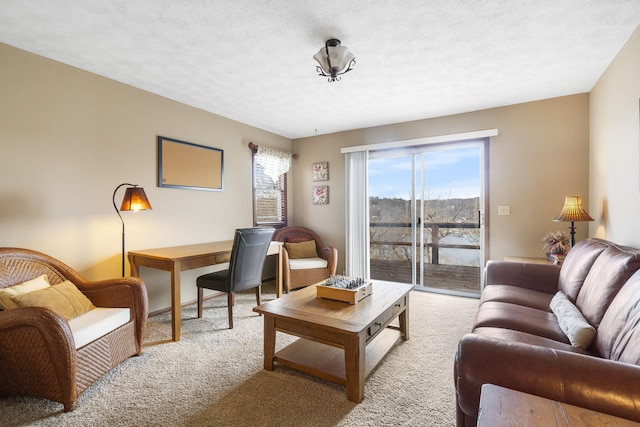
269,193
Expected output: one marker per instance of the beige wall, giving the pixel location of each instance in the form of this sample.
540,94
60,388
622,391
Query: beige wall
540,155
615,138
69,137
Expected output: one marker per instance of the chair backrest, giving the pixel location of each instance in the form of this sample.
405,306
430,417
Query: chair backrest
250,246
297,234
18,265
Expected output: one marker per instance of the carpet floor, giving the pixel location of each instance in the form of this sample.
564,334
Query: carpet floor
214,377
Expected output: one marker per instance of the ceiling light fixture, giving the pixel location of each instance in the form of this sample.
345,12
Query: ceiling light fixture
334,60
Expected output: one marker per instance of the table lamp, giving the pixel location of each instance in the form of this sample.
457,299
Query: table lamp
573,211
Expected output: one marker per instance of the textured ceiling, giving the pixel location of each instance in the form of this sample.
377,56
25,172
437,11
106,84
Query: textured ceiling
251,60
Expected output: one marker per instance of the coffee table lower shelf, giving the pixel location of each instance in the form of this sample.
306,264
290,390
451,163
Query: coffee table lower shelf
328,362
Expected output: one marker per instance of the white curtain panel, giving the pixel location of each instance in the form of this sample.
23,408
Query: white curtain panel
357,212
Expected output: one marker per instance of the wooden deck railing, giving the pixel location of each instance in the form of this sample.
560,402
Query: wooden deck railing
449,277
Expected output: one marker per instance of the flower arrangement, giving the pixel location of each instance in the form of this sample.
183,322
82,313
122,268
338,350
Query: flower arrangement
556,242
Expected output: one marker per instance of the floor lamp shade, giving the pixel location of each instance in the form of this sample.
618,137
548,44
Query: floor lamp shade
134,199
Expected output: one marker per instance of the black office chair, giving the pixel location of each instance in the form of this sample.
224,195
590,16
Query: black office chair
249,251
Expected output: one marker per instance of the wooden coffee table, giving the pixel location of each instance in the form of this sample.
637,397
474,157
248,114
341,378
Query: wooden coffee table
339,342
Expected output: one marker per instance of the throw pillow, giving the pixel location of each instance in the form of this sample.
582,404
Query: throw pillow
302,250
29,286
571,321
64,298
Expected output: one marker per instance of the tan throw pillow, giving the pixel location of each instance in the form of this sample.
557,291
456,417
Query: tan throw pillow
29,286
302,250
572,322
64,298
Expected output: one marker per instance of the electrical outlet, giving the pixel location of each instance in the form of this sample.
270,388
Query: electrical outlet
504,210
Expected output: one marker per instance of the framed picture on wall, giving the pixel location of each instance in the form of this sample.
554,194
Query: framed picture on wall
320,171
320,195
189,166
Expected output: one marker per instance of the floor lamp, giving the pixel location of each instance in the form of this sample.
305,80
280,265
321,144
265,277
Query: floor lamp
134,200
573,211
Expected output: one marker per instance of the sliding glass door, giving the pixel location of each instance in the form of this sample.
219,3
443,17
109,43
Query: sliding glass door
425,216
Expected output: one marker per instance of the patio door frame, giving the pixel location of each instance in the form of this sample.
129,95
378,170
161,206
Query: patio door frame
357,220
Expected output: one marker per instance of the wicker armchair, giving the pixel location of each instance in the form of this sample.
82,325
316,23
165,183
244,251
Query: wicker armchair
298,278
37,349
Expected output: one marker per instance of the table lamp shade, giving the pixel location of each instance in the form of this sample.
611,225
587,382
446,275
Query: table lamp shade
573,210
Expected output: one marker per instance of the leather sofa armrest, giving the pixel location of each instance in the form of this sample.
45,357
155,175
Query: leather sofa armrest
577,379
540,277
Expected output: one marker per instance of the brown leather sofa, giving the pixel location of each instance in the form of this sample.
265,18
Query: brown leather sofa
517,342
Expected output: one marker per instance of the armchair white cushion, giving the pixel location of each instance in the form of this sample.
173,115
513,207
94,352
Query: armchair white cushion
97,323
305,259
307,263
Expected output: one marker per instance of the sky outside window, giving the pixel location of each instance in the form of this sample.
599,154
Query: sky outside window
449,173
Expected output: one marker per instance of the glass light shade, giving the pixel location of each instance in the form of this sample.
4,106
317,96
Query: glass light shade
340,57
573,210
135,200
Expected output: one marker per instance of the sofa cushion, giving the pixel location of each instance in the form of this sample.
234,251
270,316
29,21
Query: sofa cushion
517,295
571,321
307,263
63,298
519,318
96,323
618,336
301,250
525,338
36,284
577,264
607,275
539,277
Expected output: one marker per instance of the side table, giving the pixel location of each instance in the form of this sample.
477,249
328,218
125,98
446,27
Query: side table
502,407
528,260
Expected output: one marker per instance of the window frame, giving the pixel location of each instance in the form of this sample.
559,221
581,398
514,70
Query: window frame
282,183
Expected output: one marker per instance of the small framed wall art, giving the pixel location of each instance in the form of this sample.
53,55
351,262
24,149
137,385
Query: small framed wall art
320,171
320,195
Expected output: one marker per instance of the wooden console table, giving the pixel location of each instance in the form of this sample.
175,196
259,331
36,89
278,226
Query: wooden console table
179,258
503,407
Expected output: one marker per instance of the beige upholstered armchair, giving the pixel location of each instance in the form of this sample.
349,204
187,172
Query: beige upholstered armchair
56,352
305,259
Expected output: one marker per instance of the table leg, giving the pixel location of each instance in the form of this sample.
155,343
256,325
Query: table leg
354,352
269,341
279,272
133,267
403,319
176,308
